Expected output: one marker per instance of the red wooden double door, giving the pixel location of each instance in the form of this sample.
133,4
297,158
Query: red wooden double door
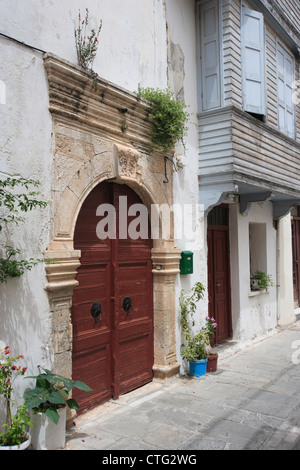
113,348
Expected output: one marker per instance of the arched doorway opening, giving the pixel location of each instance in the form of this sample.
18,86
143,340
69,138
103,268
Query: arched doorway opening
112,305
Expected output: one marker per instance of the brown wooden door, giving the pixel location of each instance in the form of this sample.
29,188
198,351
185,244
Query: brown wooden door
219,278
114,354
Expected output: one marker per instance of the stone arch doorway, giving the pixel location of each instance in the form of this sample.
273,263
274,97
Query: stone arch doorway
90,147
113,347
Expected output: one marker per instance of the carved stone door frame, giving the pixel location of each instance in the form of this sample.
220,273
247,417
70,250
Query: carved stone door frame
91,146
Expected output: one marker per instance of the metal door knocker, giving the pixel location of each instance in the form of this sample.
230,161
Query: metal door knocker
127,304
96,311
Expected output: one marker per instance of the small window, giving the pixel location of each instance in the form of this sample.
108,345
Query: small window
210,55
253,62
257,249
218,216
285,79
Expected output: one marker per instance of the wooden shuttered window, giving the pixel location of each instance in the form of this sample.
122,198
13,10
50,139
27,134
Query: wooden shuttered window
253,61
285,79
210,55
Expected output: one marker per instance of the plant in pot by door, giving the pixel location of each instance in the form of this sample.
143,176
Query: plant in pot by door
48,402
212,357
16,436
195,352
196,347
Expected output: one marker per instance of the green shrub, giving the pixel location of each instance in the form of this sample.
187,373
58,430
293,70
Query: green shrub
168,115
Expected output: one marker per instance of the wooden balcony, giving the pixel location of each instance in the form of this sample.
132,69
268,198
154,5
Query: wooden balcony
240,155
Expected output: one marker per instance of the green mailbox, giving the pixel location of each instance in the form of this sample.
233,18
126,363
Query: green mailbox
186,262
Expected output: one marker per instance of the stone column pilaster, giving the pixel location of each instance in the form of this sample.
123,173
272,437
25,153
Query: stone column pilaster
61,272
165,268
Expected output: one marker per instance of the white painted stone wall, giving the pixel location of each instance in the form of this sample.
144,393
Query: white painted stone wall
254,314
286,314
182,33
25,150
132,43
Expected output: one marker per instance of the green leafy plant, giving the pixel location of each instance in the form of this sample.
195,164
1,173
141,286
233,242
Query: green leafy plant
12,203
261,280
168,115
15,202
10,268
51,393
17,424
197,344
86,43
16,429
196,348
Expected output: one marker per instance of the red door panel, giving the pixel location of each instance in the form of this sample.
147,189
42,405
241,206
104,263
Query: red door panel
115,354
221,284
134,354
219,279
93,368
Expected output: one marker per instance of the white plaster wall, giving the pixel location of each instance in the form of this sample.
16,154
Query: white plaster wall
25,151
286,293
132,43
253,315
181,26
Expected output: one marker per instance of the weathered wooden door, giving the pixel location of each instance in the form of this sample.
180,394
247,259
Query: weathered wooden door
219,272
113,352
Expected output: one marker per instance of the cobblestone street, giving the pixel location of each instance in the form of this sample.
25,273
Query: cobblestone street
251,402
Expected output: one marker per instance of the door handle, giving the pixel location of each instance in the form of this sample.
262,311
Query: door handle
96,311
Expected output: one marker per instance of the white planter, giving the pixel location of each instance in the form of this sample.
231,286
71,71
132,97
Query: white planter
24,446
45,435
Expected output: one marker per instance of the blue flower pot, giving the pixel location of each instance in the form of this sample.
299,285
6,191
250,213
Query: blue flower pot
198,368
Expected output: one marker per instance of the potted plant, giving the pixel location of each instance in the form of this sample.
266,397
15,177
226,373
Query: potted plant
48,402
212,357
16,436
261,281
195,350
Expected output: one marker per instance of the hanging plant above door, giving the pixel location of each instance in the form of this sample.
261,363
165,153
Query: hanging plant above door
169,117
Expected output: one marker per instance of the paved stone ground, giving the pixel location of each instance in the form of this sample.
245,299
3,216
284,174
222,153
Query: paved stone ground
252,402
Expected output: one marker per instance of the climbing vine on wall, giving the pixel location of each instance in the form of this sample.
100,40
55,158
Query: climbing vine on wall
169,117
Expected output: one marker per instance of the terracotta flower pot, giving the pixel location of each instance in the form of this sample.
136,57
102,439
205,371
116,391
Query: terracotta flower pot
212,363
